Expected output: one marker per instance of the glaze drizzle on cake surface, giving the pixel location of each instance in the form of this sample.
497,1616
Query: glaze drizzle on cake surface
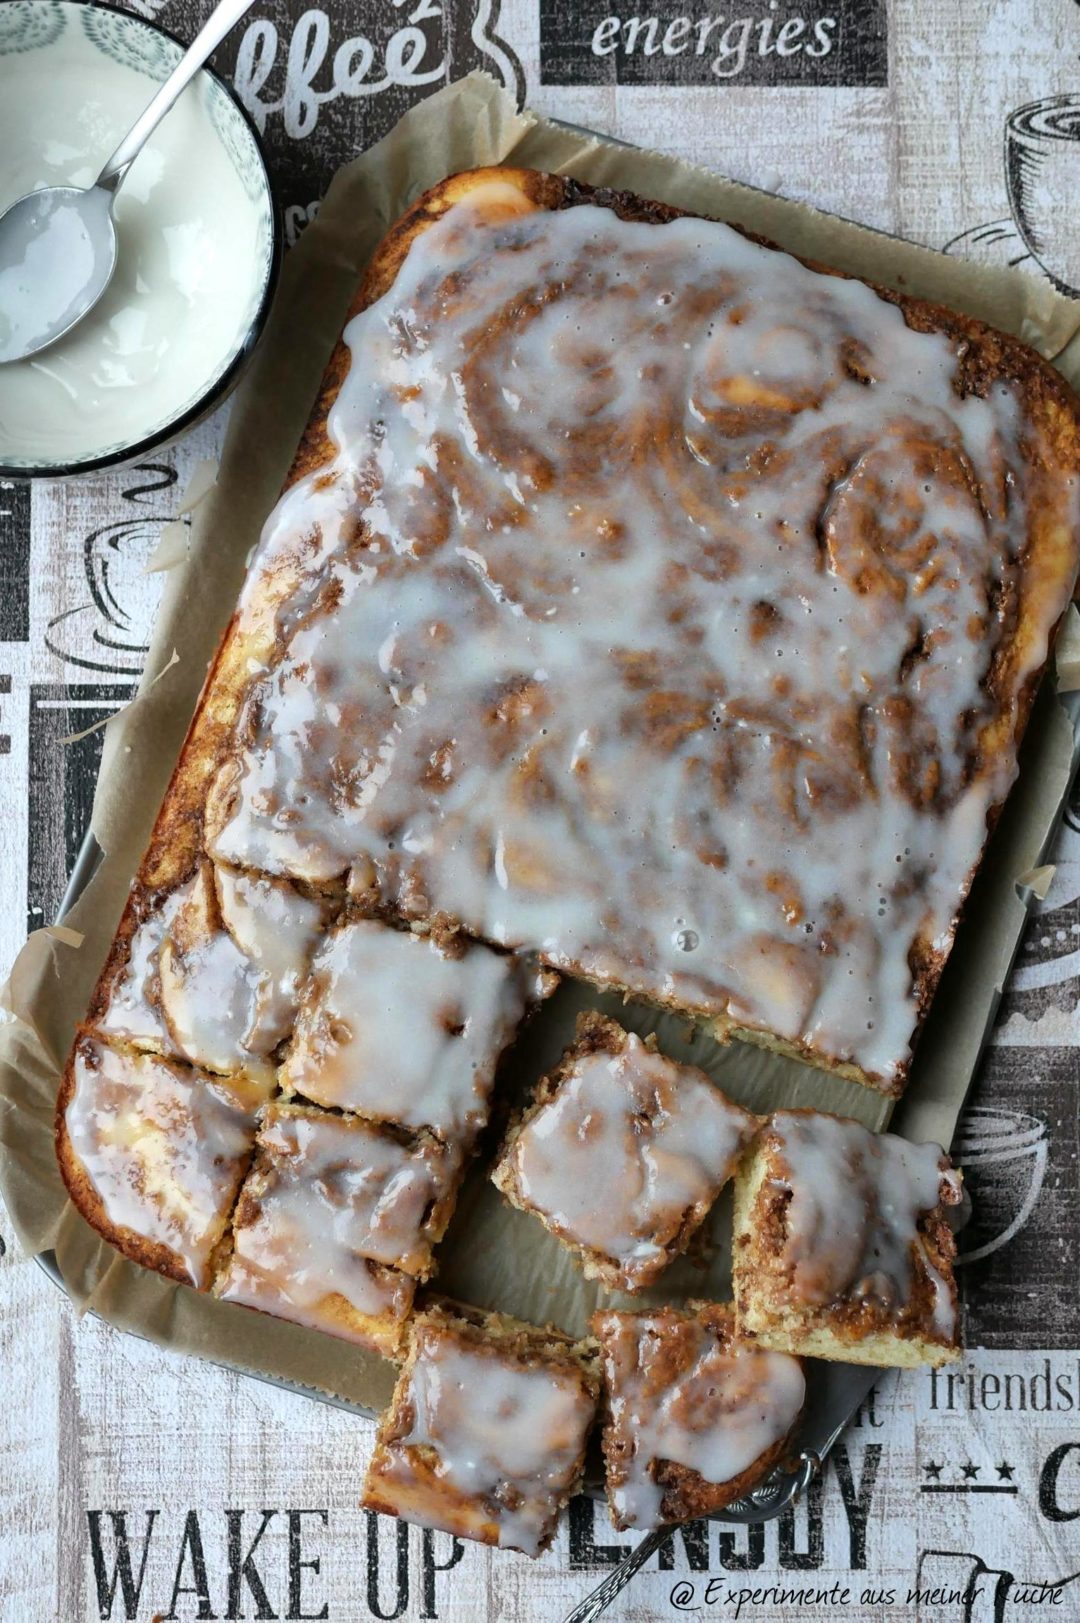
399,1029
154,1153
853,1213
486,1432
695,1416
641,600
659,610
842,1249
622,1153
330,1224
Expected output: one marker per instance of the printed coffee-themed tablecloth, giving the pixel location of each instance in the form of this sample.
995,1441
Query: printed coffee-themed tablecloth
139,1485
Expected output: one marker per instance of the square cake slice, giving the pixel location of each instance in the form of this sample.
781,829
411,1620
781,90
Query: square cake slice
695,1417
333,1219
399,1028
485,1435
841,1246
153,1153
211,973
622,1152
327,1206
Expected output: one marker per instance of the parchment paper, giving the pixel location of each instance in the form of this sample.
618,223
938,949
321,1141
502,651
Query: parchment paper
493,1255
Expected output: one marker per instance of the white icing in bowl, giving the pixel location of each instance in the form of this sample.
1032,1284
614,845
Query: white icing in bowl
198,239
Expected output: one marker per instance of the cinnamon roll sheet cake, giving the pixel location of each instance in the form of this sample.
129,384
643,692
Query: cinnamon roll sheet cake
643,605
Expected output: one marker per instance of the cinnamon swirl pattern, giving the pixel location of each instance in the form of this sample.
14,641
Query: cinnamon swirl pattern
842,1246
652,614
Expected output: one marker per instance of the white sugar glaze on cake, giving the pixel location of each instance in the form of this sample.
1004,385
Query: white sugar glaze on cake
332,1191
276,929
163,1147
629,1144
331,1200
231,965
851,1225
641,620
271,1271
716,1416
214,973
133,1010
398,1029
508,1432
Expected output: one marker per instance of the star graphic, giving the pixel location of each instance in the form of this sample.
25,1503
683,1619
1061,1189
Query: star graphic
969,1471
933,1470
1005,1472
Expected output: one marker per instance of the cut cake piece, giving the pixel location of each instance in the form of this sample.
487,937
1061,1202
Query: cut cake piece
694,1416
841,1245
402,1029
336,1221
485,1435
153,1153
211,974
621,1153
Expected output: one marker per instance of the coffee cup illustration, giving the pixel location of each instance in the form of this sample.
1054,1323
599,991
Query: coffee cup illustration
106,632
1004,1155
1042,172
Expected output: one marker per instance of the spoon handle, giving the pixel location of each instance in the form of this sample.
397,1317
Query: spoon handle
221,21
599,1599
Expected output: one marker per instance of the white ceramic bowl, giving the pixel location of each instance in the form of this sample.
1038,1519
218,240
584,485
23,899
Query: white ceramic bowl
199,238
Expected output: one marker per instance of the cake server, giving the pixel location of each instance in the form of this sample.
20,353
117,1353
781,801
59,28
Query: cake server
58,244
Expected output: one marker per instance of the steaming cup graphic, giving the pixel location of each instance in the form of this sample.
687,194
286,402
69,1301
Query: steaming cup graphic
1042,172
108,632
1005,1152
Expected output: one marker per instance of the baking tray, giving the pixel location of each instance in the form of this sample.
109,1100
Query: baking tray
834,1391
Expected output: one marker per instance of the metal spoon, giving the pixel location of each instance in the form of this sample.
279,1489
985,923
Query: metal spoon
58,244
786,1485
